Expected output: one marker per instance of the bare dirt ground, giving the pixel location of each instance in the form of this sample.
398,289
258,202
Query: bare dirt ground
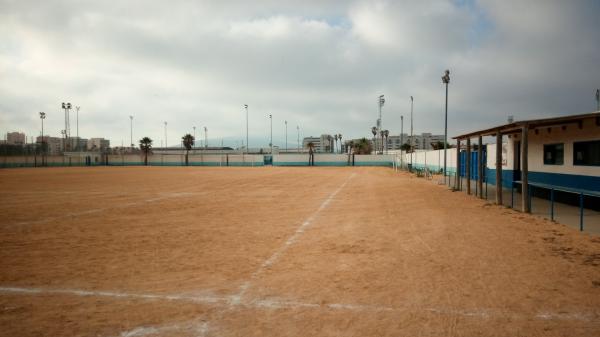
151,251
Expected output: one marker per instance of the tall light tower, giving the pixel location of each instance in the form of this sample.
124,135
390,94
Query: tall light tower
166,135
298,140
67,133
412,139
131,130
285,136
205,138
247,145
271,143
381,102
42,117
77,122
193,127
401,139
446,80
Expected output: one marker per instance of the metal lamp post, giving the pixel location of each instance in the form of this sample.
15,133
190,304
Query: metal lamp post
166,146
247,145
446,80
412,138
42,117
271,143
381,102
205,137
131,130
285,136
401,138
77,123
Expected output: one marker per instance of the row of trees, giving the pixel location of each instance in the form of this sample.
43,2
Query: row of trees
146,146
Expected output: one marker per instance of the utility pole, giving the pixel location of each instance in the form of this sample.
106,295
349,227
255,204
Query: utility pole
412,138
271,143
77,122
401,139
131,130
166,146
247,146
285,136
205,138
446,80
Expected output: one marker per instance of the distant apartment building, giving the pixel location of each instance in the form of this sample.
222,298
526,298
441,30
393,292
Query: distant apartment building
77,144
55,144
98,144
15,138
324,143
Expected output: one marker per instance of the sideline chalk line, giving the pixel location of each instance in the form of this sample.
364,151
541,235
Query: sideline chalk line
290,241
277,304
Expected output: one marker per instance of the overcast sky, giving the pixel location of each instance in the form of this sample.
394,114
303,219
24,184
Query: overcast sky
317,64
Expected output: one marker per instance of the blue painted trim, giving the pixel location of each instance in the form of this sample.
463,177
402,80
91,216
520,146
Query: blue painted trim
507,177
591,183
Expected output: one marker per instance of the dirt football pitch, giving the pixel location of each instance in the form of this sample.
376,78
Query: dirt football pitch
155,251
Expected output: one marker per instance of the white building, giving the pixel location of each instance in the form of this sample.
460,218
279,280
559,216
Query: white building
324,143
15,138
98,144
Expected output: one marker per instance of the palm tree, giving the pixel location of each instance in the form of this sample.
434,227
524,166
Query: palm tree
146,147
340,138
311,154
374,131
363,146
385,133
188,142
405,147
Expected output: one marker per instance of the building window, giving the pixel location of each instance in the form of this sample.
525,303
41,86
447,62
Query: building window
586,153
553,154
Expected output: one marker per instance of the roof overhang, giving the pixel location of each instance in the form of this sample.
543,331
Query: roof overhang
516,127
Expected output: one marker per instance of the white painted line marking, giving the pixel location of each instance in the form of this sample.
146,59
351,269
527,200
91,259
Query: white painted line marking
275,304
116,294
290,241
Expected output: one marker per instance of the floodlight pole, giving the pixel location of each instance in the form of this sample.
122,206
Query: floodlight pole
379,121
77,122
42,117
166,146
401,139
271,143
205,137
446,80
285,136
412,138
131,130
597,99
298,140
247,145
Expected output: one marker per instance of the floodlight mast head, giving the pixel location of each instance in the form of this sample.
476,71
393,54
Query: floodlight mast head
42,115
68,105
64,106
446,77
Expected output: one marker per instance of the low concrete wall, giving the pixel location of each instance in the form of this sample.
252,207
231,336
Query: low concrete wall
433,160
331,159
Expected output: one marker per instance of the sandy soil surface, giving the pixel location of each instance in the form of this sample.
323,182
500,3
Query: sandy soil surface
152,251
